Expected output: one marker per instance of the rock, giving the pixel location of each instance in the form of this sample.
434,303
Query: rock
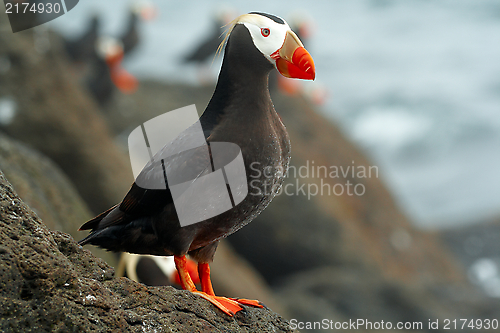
150,100
477,246
342,294
52,113
230,274
474,242
50,283
46,189
43,186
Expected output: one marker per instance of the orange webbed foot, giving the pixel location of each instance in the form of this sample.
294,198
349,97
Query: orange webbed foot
249,302
229,306
226,305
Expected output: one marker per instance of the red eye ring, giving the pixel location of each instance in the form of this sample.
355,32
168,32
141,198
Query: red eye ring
265,32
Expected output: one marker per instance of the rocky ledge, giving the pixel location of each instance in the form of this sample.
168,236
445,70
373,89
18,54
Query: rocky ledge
48,283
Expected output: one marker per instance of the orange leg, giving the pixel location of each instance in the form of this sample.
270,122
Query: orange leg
228,306
206,286
186,282
204,274
191,268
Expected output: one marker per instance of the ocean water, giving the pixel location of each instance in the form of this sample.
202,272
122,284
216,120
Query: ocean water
415,83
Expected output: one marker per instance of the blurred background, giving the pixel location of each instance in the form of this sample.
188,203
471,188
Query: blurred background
411,87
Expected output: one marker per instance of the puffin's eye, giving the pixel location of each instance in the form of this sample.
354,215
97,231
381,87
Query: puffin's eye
265,32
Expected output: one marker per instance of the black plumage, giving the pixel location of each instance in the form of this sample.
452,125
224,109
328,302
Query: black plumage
98,80
130,37
208,47
82,49
240,112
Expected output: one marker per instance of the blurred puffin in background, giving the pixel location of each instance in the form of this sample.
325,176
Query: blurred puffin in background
81,50
240,112
209,46
98,58
106,73
203,53
139,10
153,270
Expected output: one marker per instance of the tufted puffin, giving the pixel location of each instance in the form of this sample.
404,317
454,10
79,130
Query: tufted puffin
209,46
105,71
240,112
81,49
130,37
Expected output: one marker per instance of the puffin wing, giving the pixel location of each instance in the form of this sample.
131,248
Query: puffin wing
130,37
138,202
207,47
93,223
141,201
181,161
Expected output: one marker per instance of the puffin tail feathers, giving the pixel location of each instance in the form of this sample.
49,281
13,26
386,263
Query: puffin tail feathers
94,223
87,239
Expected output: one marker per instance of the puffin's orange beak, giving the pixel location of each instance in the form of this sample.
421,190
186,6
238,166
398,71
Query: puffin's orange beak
293,60
114,59
149,12
123,80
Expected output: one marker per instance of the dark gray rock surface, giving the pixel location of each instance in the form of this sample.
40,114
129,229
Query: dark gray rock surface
46,190
343,294
42,186
478,248
48,283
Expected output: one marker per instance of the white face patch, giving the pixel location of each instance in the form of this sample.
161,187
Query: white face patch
266,41
108,46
